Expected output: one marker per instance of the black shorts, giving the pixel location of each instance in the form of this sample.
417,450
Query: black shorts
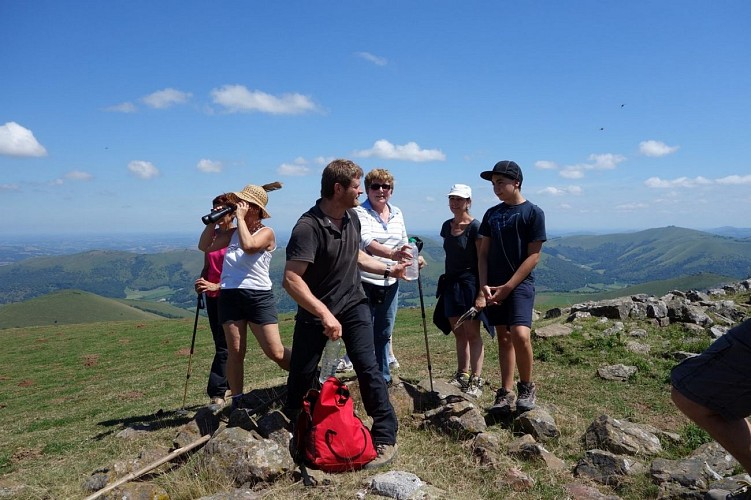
720,377
255,306
516,310
459,295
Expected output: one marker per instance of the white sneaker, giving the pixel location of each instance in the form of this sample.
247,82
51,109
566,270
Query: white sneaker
394,364
344,365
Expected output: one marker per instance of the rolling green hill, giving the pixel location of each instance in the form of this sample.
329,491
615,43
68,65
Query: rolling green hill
587,264
69,307
654,254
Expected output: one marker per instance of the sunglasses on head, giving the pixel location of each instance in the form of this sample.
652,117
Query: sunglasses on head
376,186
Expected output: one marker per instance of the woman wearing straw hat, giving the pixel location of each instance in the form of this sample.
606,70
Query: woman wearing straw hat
246,297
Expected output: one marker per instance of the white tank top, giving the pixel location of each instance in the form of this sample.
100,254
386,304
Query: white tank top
243,270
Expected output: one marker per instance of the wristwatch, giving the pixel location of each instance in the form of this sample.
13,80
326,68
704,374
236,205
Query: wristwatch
387,272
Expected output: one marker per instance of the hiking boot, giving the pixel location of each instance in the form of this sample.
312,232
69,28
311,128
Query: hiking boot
743,493
460,380
386,455
504,403
474,388
527,396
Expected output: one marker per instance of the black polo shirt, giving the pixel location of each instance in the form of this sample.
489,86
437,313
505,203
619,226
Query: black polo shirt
332,274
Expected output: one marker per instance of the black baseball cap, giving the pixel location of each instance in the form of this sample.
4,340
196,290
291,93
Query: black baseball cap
506,168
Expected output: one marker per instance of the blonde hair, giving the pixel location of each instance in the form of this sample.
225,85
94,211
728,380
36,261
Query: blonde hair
379,174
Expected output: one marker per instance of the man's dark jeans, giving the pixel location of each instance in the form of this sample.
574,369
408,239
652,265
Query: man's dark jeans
357,332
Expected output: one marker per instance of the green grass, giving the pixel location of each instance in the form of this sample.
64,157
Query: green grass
67,390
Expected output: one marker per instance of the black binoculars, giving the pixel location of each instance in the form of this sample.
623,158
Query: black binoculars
217,214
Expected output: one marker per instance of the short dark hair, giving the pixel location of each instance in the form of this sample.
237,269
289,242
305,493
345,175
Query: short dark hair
222,199
338,172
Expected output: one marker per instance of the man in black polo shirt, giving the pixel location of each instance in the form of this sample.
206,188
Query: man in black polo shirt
321,275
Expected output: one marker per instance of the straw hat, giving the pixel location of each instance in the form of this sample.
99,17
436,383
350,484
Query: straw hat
257,196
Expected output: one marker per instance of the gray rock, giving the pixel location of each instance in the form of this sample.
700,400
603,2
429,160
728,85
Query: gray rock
395,484
619,372
526,448
657,309
462,418
554,330
137,491
607,468
681,355
638,347
555,312
718,331
583,492
622,437
246,456
638,332
487,448
539,423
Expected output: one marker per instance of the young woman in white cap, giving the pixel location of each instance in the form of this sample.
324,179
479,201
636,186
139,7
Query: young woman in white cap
461,242
246,297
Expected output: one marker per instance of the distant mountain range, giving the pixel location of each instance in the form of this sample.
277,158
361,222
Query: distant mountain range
570,263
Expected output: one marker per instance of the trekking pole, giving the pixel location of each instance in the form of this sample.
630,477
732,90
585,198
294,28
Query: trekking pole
199,306
418,241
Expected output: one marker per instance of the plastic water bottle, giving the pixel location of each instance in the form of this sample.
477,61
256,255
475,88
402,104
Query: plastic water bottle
330,359
413,271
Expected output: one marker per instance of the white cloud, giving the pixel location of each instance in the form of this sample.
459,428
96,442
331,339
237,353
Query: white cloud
629,207
656,148
572,172
299,167
409,152
56,182
10,187
607,161
554,191
377,60
734,179
680,182
546,165
238,99
16,140
123,107
166,98
79,175
209,166
143,169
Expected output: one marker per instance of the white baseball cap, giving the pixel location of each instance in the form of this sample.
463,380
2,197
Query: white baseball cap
461,190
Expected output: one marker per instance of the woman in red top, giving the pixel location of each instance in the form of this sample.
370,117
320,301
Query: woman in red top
208,284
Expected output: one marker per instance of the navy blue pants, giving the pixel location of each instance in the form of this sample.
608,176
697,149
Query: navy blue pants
357,333
217,385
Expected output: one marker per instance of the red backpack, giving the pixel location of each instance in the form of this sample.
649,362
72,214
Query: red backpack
328,434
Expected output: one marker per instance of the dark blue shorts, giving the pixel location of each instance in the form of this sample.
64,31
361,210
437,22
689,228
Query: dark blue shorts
459,295
516,310
254,306
720,377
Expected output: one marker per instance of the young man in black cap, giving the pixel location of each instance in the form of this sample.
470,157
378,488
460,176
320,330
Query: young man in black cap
513,233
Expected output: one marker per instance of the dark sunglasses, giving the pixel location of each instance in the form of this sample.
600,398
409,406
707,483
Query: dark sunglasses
376,187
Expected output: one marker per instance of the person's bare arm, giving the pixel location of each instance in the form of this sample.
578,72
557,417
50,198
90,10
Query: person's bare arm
296,287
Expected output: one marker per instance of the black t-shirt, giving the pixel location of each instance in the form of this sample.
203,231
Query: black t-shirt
332,274
461,251
511,228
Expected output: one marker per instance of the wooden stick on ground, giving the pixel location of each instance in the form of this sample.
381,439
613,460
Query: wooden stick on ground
151,466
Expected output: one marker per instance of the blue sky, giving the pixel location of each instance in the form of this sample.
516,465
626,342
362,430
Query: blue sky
130,116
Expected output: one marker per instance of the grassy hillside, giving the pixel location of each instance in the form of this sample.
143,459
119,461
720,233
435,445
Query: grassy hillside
69,389
655,254
70,307
568,264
